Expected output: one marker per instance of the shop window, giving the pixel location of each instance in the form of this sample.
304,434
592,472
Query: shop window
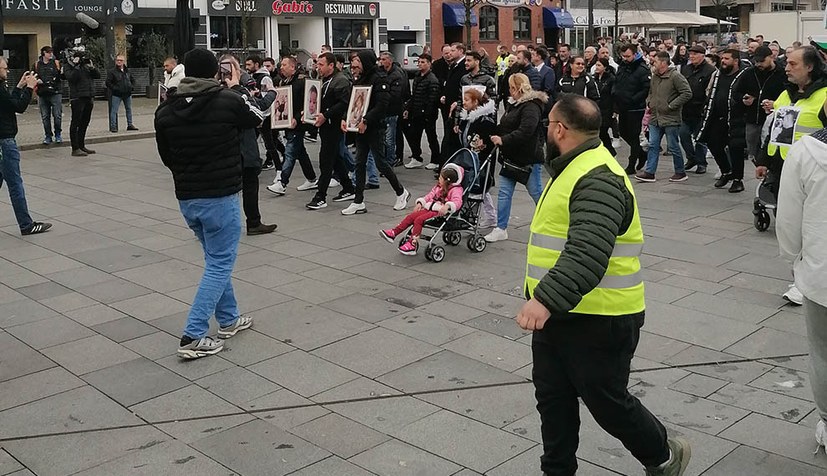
227,33
352,33
522,23
489,24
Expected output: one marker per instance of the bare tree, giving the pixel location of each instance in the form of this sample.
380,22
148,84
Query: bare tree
720,8
617,5
469,7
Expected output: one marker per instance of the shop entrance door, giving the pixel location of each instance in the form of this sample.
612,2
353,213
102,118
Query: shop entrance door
18,56
284,40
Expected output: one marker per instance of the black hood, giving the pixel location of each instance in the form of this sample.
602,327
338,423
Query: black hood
368,59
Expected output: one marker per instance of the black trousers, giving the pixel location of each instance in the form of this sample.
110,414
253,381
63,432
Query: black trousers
331,161
81,115
729,152
414,133
606,138
590,357
272,144
373,141
630,124
249,196
450,140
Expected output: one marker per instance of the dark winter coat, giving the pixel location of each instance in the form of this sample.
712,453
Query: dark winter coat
399,88
761,85
601,208
479,79
296,83
476,128
50,75
520,130
605,83
81,80
374,76
722,104
120,82
11,103
584,85
335,96
197,131
248,139
632,85
424,102
698,79
453,83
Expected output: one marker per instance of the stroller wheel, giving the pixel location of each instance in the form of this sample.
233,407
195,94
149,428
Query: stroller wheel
476,244
452,238
762,221
428,254
437,254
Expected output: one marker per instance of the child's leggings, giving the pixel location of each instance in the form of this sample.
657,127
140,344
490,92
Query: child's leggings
417,219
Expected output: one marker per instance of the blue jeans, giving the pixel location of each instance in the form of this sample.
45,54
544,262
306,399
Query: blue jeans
696,152
113,110
217,225
294,150
10,170
506,191
51,107
656,134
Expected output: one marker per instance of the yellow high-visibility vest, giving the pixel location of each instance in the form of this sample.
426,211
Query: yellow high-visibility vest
620,292
808,121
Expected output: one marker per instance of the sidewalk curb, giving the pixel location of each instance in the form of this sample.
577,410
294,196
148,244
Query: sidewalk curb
91,140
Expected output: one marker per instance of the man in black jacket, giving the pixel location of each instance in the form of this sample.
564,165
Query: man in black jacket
421,111
197,133
120,83
630,91
11,104
80,73
334,95
697,72
764,80
371,132
451,93
400,91
49,97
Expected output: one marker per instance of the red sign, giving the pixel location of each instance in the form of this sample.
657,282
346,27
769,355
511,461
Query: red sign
294,7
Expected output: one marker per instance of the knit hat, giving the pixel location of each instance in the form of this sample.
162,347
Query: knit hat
200,63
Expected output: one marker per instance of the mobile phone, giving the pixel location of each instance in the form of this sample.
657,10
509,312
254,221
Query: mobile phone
225,71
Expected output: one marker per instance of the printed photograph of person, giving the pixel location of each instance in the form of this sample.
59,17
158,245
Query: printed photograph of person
359,100
311,100
783,126
281,115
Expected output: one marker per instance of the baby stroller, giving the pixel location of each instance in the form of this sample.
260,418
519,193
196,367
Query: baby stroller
466,219
766,199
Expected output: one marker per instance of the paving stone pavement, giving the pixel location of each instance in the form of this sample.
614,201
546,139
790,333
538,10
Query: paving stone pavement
362,361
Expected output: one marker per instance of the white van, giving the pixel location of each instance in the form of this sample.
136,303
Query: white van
407,55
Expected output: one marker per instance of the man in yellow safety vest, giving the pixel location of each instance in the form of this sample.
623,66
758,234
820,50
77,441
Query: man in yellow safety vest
585,304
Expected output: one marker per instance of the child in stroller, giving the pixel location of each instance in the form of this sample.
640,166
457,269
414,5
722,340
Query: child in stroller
444,198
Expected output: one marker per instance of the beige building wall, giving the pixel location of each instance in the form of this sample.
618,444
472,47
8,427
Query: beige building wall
38,31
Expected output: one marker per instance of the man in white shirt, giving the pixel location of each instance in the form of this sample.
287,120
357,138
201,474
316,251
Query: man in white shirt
173,73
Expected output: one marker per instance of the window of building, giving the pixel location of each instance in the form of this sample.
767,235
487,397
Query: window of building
352,33
489,24
228,33
522,23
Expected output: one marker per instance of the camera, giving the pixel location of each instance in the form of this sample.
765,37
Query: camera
77,51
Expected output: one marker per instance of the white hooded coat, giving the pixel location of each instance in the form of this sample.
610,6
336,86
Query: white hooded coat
801,222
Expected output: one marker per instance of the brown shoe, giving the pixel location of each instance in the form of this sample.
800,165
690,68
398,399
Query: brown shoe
79,153
261,229
88,151
644,176
679,178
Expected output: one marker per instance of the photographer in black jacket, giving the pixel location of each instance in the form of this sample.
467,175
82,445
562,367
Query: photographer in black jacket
49,97
80,73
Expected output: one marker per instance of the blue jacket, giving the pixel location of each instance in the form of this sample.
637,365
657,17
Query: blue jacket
548,85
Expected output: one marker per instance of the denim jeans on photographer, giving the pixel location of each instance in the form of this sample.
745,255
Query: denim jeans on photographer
216,223
673,144
10,173
506,192
115,104
51,107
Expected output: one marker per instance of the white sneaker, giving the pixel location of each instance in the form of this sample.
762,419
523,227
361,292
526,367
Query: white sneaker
497,234
718,175
413,164
794,295
277,188
432,166
402,201
308,185
821,435
355,208
334,183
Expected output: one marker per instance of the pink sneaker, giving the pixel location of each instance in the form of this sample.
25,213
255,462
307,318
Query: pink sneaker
408,248
388,235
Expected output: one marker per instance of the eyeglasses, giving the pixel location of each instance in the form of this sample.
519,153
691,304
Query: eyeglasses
580,64
559,122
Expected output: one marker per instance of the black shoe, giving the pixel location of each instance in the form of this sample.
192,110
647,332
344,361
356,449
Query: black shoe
88,151
261,229
371,186
344,196
113,130
737,186
630,169
689,165
721,182
79,153
700,170
316,204
268,165
131,128
37,227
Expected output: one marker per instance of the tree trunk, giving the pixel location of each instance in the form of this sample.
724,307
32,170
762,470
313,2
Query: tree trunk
617,21
590,31
718,35
468,8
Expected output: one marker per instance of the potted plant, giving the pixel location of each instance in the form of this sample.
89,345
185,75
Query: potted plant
154,50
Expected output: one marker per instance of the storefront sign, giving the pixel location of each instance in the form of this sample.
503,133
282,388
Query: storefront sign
601,17
513,3
67,8
292,8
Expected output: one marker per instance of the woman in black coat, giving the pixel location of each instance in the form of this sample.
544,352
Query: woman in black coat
578,81
520,142
604,77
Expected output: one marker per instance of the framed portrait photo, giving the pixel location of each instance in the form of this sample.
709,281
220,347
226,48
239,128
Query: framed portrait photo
784,124
359,100
312,95
162,93
281,112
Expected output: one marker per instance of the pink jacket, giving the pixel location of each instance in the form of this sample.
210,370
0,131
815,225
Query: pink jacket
433,200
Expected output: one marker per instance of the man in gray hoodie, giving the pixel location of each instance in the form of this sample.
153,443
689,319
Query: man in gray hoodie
668,92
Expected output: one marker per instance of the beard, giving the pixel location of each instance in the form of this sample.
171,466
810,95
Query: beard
726,69
552,151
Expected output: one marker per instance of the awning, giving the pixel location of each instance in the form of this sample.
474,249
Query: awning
556,18
653,18
453,14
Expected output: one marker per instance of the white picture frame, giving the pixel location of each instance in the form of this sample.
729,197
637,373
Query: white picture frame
357,107
281,112
312,100
162,93
782,132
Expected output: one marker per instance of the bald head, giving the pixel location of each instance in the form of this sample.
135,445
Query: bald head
578,113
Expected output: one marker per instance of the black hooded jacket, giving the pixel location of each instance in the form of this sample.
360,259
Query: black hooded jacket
632,85
197,133
380,92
